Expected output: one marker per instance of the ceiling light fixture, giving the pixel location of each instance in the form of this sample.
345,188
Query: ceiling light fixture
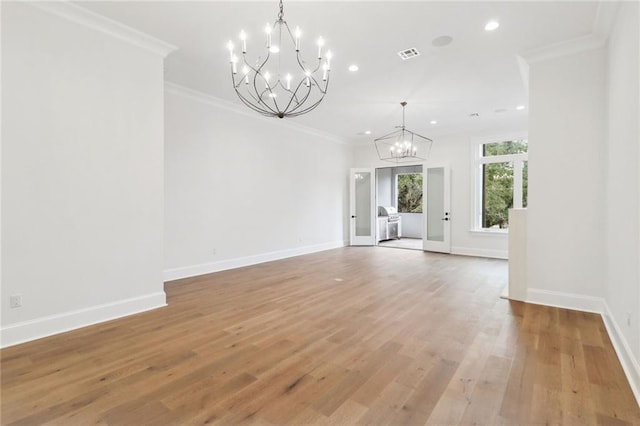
403,145
520,107
491,25
353,68
433,122
367,132
297,86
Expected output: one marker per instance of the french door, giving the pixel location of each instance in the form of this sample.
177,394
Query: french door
362,230
436,235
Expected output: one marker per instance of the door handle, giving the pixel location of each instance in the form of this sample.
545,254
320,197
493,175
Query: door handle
445,218
353,216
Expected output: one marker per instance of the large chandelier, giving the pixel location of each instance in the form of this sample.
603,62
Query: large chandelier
279,83
403,145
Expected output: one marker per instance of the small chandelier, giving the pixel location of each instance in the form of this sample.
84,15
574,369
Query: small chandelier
403,145
279,83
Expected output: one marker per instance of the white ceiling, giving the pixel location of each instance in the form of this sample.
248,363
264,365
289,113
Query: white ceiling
477,72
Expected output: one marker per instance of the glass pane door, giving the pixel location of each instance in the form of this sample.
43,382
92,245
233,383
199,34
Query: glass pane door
437,220
362,197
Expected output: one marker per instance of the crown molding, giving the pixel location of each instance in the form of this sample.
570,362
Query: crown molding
214,101
564,48
97,22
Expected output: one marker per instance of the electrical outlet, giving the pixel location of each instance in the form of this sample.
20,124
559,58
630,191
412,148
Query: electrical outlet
15,301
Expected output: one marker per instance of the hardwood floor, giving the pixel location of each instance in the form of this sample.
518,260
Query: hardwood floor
347,336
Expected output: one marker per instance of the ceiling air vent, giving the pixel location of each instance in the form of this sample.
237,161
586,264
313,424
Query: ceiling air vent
408,53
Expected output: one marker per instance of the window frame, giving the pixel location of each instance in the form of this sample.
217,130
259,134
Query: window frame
478,160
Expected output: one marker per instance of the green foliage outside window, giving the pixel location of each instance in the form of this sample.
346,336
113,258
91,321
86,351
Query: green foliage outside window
410,193
497,183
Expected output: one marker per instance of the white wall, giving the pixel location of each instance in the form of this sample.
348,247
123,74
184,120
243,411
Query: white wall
622,211
82,174
567,157
240,188
384,185
411,225
454,150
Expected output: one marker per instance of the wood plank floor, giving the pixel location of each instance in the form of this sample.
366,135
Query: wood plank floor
347,336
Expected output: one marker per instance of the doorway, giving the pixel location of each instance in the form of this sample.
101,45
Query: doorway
399,195
380,194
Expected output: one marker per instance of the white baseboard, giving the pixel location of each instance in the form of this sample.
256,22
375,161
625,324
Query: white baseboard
596,305
577,302
623,350
223,265
47,326
467,251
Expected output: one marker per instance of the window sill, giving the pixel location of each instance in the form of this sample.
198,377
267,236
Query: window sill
490,232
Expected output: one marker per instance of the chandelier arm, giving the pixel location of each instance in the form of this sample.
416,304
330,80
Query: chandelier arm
301,102
259,99
262,102
307,109
311,107
388,135
248,65
295,111
294,96
274,98
252,106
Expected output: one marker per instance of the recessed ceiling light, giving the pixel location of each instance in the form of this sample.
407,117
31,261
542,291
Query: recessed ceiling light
433,122
442,41
520,107
491,25
353,68
367,132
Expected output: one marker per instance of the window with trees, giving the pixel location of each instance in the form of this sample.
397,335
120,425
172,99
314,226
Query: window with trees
410,193
501,182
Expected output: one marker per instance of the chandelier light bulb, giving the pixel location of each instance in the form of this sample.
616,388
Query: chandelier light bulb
268,30
230,47
245,70
243,38
267,77
329,55
288,79
234,64
320,44
297,35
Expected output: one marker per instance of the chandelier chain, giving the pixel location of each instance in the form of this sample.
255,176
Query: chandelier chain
281,13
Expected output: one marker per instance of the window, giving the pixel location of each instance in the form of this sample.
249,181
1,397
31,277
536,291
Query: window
501,181
410,193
